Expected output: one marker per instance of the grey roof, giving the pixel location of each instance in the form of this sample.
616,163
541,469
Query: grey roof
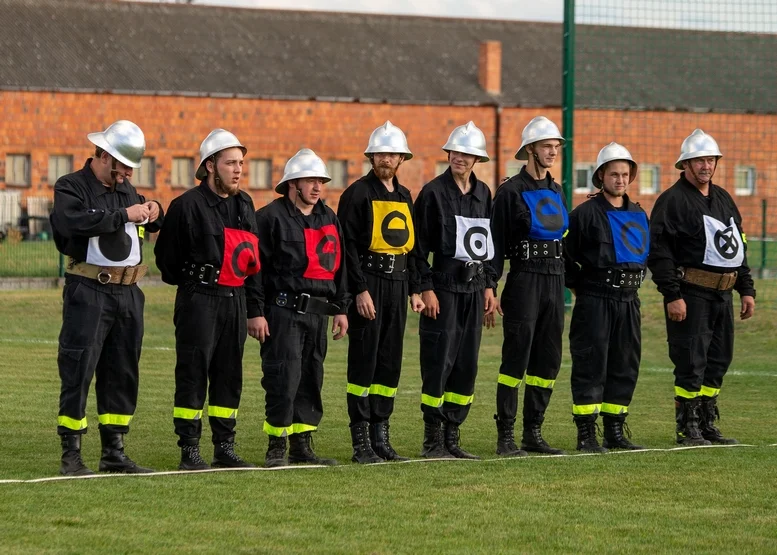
205,50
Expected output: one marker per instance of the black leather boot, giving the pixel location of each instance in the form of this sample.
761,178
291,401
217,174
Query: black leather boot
224,456
362,449
114,459
505,439
434,444
72,463
586,435
533,441
301,451
688,417
276,452
452,438
617,434
709,414
379,435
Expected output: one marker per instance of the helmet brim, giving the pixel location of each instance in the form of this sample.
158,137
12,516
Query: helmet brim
98,139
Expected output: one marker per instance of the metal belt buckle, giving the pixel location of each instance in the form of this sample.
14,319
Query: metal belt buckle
302,303
558,248
281,300
525,249
104,277
393,259
619,277
201,275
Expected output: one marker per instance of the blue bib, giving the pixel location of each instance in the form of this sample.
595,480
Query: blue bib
549,218
630,236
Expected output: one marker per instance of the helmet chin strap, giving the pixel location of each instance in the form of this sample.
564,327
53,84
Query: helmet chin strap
114,172
695,175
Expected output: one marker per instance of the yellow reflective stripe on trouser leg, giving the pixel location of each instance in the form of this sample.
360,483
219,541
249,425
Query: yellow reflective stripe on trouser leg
276,431
114,419
222,412
509,381
685,394
357,390
709,391
383,390
586,409
457,399
611,408
71,423
300,428
187,414
429,401
539,382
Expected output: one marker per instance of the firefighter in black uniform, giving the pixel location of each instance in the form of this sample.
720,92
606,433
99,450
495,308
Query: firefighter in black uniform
452,221
376,214
98,223
529,222
697,256
208,248
304,276
605,253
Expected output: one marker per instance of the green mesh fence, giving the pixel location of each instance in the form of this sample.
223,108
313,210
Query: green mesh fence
647,73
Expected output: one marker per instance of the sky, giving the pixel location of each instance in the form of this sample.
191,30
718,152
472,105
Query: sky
712,15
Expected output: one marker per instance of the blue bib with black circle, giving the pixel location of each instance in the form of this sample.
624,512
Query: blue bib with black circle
630,236
549,218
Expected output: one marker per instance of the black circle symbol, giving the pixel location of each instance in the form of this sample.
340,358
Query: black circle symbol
726,243
326,250
393,235
116,246
476,243
549,214
248,265
637,248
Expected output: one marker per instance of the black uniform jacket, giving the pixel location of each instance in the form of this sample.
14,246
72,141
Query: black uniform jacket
302,254
591,245
436,208
511,224
194,233
84,208
678,237
359,205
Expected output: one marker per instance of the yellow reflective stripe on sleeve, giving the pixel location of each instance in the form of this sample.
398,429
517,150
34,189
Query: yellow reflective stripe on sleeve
509,381
709,391
586,409
114,419
357,390
565,233
430,401
187,414
71,423
141,231
275,431
539,382
300,428
222,412
744,238
383,390
457,399
685,394
611,408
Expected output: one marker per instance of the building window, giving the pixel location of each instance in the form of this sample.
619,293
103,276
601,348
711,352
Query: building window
147,172
582,182
17,169
366,167
514,167
182,174
338,171
440,168
649,179
59,166
744,180
260,174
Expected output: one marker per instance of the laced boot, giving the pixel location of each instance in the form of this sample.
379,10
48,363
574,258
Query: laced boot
379,436
586,435
452,438
532,437
72,463
688,418
505,439
301,451
191,458
709,414
434,444
362,450
224,456
617,434
276,452
114,459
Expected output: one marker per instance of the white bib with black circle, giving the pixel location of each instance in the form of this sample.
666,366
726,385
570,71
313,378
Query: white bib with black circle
120,248
473,239
725,247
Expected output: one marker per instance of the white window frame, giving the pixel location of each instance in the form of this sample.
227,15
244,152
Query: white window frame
589,186
749,179
366,166
655,187
12,170
260,174
146,173
178,181
338,171
59,165
514,167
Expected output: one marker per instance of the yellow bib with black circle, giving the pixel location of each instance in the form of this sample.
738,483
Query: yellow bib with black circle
392,228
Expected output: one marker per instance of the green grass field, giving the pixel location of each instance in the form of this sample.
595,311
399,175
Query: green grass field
698,500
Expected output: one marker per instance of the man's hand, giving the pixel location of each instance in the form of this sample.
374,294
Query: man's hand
258,328
490,302
153,211
748,307
365,306
489,320
676,310
416,303
339,326
431,304
138,213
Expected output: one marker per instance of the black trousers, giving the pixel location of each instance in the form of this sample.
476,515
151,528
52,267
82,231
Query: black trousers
605,340
375,351
210,333
293,371
701,347
102,334
449,356
533,306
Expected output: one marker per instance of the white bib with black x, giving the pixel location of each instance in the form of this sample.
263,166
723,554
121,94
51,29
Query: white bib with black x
724,244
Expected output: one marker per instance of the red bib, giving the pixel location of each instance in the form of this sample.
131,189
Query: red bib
241,257
323,249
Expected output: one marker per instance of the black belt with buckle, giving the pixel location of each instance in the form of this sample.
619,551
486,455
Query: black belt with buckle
201,274
304,303
621,279
384,263
526,250
463,271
